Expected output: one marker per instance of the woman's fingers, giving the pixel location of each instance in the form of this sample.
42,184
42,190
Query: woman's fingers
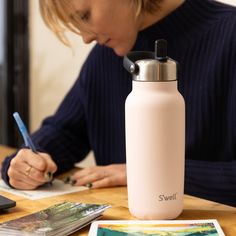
31,158
26,176
22,185
27,169
101,176
50,164
22,170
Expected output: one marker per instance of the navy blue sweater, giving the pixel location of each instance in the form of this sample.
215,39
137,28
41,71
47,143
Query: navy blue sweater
201,36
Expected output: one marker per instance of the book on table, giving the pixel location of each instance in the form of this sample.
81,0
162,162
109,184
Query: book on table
61,219
155,228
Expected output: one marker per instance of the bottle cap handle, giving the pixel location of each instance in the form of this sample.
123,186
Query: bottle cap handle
129,61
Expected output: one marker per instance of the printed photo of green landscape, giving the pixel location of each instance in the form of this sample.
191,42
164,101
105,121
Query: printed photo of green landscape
195,229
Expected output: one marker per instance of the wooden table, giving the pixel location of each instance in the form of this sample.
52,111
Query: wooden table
194,208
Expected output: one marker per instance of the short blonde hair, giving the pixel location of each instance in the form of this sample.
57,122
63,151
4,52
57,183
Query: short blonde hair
57,17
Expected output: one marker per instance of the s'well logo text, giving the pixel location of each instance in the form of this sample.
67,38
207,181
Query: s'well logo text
163,197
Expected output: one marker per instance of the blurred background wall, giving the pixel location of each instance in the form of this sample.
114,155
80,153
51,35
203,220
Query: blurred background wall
53,67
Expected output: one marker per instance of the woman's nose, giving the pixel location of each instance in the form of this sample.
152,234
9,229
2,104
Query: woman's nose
88,37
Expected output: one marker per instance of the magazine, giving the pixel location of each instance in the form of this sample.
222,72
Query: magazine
61,219
155,228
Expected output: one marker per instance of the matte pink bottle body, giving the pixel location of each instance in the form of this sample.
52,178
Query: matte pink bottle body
155,147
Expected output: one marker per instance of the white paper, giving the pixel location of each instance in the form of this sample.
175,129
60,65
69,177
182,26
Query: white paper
57,188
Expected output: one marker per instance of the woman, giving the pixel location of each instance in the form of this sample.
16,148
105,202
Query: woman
201,37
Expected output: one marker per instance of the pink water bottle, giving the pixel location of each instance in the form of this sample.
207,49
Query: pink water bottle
155,136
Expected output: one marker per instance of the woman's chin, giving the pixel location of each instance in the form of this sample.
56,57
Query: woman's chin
121,51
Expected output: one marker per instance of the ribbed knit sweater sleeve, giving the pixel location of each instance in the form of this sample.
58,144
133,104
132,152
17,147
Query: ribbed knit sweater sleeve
63,135
211,180
211,163
211,110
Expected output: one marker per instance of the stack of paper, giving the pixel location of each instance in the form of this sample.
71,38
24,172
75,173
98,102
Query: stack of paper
61,220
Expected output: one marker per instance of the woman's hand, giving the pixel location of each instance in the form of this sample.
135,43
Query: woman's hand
28,170
101,176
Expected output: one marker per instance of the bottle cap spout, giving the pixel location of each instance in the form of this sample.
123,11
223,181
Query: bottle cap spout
151,66
161,50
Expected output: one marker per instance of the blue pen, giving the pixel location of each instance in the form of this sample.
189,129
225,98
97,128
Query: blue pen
28,141
24,132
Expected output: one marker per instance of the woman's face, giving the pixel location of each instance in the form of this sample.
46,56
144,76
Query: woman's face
109,22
